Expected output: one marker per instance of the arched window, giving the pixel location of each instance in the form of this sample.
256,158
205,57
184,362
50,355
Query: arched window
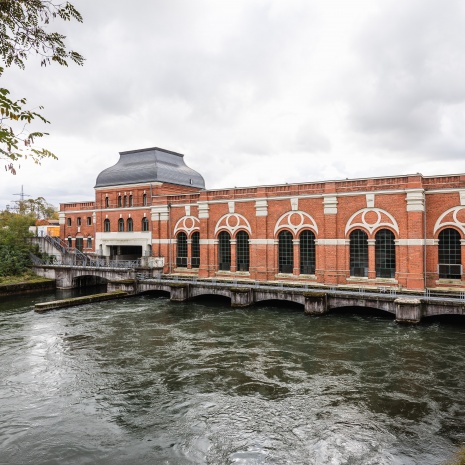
130,224
224,251
106,225
385,254
130,200
144,200
449,254
195,259
285,252
181,249
120,203
107,202
242,251
145,224
120,225
358,253
307,252
125,201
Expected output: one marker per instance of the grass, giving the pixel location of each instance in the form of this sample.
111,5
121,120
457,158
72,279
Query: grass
27,277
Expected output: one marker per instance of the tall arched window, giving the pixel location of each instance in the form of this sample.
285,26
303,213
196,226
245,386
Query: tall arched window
130,224
145,224
224,251
120,225
385,254
285,252
107,202
130,200
195,259
307,252
449,254
120,202
358,253
181,249
106,225
144,200
242,251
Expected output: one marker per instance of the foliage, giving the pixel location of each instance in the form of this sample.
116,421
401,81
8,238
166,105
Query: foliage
15,142
38,208
14,244
23,31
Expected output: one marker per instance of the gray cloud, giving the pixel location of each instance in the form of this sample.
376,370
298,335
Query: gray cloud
252,92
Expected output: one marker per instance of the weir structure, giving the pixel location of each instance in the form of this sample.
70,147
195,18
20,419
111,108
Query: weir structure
407,307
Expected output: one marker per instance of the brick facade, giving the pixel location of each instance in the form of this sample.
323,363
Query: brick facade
414,209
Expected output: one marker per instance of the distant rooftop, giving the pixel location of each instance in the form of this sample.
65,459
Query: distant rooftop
150,165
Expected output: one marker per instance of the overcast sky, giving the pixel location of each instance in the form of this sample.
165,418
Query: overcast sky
252,92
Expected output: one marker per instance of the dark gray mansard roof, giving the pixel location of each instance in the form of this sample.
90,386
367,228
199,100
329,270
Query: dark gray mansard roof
150,165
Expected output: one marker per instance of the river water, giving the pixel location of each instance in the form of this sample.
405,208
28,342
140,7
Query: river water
147,381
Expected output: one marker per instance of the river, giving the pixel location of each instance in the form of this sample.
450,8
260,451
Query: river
147,381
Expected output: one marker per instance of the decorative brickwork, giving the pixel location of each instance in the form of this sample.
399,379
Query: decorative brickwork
402,218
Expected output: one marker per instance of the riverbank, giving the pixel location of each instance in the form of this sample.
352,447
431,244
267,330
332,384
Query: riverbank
13,285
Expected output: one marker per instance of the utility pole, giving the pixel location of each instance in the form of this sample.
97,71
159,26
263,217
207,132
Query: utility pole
22,194
19,202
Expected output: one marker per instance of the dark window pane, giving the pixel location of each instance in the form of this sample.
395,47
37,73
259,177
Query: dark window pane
307,252
358,253
285,252
385,254
224,251
242,251
181,250
449,254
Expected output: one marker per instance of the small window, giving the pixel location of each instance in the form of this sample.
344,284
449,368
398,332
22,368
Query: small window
89,221
106,225
144,200
107,202
145,224
130,224
121,225
125,201
120,201
89,242
130,200
70,242
68,221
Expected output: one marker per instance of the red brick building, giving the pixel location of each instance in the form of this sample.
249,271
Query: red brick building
404,231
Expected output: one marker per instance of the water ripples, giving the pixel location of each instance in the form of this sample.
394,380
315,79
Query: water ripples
144,380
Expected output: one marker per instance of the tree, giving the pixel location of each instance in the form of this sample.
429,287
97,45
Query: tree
15,247
23,31
38,208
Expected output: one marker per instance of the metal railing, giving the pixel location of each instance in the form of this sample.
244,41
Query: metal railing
392,292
